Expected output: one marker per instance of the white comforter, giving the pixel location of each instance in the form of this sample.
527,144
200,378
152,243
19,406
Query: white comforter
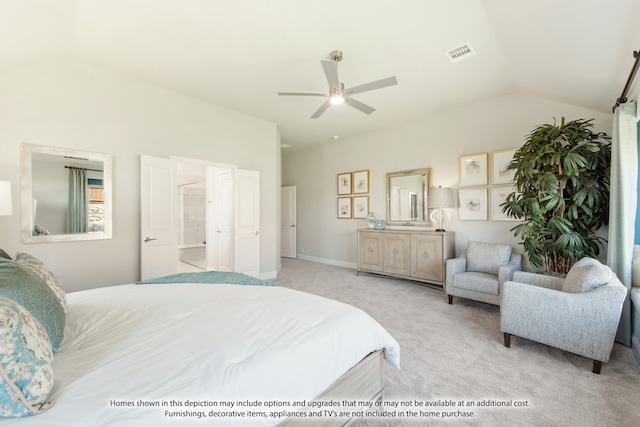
170,343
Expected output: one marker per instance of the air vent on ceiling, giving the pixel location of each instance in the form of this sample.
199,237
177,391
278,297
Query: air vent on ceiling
461,52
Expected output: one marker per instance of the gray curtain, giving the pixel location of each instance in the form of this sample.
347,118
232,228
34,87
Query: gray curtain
622,205
77,215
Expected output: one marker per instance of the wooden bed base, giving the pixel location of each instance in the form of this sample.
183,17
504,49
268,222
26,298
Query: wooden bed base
361,383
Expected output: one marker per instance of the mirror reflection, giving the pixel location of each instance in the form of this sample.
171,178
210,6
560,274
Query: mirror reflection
407,197
66,195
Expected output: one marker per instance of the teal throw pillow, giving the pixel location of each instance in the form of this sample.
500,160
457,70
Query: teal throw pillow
36,266
30,291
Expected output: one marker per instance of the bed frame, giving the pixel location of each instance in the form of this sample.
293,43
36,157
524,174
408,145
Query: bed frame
363,383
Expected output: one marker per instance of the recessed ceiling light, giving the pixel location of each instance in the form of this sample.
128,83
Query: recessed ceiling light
284,146
336,137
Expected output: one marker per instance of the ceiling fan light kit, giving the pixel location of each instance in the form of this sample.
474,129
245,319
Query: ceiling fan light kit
337,93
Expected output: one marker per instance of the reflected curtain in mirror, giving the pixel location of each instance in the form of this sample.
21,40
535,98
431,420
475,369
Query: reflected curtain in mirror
65,195
77,208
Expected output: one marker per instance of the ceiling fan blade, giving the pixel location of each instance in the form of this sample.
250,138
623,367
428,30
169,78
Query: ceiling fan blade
331,71
321,110
302,94
359,105
378,84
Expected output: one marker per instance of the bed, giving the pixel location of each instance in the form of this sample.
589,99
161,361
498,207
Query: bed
154,354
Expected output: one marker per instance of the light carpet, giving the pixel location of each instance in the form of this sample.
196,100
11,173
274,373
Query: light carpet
455,352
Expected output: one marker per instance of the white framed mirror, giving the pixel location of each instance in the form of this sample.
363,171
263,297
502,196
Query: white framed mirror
408,197
65,195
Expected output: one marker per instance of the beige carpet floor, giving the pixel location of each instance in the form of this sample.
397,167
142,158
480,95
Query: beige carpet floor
455,352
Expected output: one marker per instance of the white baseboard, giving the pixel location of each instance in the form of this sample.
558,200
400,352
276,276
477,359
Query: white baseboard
327,261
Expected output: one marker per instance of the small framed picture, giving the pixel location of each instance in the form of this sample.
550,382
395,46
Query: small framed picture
360,182
473,170
344,183
498,197
344,207
360,207
500,172
472,205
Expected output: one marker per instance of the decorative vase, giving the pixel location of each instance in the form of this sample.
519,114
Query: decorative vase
371,220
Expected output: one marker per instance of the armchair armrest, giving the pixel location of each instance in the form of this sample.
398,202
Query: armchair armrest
537,279
505,272
454,266
583,323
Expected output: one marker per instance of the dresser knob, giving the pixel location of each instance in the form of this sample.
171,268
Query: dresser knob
370,249
425,254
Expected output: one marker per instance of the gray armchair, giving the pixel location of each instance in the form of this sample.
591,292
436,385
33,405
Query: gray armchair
578,314
480,272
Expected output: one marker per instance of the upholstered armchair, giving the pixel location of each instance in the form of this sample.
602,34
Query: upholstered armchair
480,272
578,314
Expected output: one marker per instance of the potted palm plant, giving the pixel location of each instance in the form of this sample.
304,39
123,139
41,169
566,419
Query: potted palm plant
561,193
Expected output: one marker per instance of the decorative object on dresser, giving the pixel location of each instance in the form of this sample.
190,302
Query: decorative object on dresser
371,220
579,313
413,255
481,271
379,224
440,198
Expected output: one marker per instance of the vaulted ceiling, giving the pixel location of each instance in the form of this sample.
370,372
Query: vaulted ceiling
239,54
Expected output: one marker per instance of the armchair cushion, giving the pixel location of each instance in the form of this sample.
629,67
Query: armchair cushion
586,275
487,257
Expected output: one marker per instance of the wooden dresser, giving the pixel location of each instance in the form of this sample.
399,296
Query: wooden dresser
413,255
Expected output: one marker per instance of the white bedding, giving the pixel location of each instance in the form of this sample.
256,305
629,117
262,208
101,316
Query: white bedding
202,342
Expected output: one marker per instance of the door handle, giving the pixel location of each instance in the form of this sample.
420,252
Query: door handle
257,232
293,226
149,239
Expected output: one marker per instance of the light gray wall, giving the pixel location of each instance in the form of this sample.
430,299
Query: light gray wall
435,141
79,106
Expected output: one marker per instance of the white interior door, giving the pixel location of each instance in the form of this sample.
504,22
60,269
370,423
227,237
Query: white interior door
158,223
223,207
288,222
247,222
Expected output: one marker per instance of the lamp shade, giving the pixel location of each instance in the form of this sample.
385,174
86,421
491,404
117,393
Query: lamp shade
440,198
5,198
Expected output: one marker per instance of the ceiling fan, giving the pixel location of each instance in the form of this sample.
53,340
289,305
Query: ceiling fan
337,93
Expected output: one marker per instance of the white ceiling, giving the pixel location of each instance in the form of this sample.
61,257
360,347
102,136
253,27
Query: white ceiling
238,54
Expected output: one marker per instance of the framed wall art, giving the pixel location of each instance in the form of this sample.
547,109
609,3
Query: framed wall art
344,207
360,207
344,183
498,197
500,172
361,182
473,170
472,204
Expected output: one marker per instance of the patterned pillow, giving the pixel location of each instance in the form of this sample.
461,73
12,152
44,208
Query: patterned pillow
586,275
33,264
30,291
26,362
